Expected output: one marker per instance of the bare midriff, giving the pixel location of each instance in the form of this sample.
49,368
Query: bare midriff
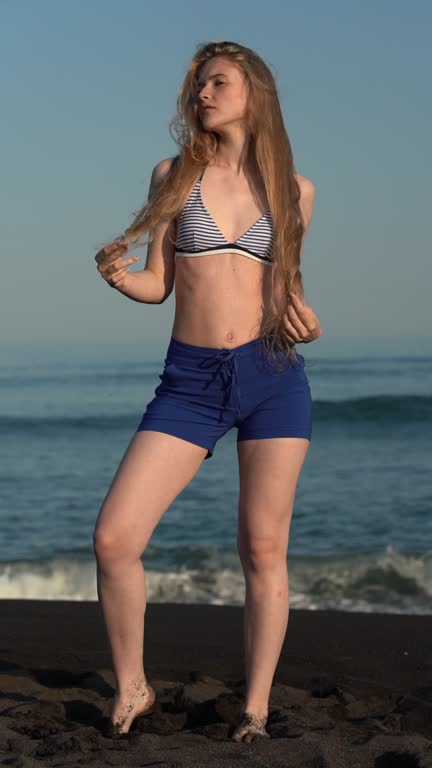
220,299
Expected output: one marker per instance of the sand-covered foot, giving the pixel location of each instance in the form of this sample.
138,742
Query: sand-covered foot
139,701
250,727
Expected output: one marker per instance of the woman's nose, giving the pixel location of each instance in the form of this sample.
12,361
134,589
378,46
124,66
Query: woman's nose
203,91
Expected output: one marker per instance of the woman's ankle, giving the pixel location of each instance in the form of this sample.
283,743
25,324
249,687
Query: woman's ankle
132,687
259,712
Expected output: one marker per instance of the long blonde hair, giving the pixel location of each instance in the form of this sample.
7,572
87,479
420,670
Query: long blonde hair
269,152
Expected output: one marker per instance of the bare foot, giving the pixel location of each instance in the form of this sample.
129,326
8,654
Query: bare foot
250,727
140,699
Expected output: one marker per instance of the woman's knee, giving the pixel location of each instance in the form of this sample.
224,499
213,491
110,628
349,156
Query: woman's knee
260,553
111,543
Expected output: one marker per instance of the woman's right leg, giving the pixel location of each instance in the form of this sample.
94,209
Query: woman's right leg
155,468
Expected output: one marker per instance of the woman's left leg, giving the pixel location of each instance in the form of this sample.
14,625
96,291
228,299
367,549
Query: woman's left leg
269,470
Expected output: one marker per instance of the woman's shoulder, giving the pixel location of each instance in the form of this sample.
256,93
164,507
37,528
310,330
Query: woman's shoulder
307,187
162,168
307,198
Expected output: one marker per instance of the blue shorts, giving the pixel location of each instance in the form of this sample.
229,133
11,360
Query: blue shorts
205,391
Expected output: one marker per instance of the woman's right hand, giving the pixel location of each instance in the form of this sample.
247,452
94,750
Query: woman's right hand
111,264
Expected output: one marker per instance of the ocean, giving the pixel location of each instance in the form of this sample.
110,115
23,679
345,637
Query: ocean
361,531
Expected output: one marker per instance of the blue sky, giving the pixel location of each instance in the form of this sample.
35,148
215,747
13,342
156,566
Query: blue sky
88,90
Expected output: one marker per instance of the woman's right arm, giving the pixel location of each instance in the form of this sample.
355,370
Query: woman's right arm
154,283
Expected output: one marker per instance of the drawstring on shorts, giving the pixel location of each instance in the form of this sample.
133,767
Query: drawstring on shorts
228,368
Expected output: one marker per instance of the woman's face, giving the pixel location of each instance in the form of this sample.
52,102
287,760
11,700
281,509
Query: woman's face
221,86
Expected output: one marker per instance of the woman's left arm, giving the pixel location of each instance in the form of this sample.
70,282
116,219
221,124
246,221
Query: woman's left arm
300,320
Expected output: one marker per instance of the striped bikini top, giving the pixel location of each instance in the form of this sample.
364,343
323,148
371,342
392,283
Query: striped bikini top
198,233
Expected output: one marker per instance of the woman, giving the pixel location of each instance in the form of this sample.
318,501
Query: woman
227,218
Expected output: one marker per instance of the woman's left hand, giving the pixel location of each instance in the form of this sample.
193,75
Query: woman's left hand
301,322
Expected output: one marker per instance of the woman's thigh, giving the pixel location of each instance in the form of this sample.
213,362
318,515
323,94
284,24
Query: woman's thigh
269,470
154,469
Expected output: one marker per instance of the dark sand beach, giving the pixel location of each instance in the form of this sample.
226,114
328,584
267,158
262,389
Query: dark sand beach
350,689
